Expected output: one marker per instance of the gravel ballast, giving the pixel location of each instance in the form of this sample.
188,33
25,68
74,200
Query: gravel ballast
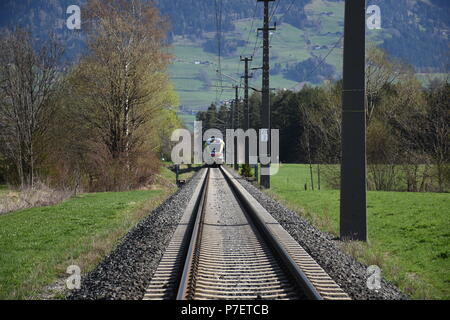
127,271
348,273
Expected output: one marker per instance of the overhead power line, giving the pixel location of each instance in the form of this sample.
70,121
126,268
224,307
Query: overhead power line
321,61
248,36
218,9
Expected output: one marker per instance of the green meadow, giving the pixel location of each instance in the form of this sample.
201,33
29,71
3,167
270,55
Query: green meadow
409,233
289,45
38,244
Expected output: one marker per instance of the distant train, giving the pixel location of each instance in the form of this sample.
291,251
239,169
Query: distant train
214,150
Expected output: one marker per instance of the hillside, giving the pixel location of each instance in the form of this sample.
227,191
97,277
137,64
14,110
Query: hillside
42,17
424,23
416,31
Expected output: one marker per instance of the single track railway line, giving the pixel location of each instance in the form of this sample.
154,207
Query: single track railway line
227,246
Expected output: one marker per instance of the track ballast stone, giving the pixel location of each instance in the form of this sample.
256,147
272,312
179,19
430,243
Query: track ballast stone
348,273
126,272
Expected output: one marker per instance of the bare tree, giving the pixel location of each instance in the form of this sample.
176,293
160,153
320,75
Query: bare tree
28,82
381,71
437,131
420,122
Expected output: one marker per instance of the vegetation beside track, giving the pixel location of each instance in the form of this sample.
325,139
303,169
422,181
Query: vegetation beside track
3,189
38,244
408,231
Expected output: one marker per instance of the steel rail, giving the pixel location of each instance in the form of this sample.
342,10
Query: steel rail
191,271
186,281
277,248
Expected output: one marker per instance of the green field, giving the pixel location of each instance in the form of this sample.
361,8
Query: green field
409,233
288,46
38,244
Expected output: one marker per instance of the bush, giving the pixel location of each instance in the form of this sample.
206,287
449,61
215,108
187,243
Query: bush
382,177
246,171
39,195
122,173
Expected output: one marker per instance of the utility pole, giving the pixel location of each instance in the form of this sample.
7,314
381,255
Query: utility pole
236,123
232,115
265,110
353,220
246,77
246,105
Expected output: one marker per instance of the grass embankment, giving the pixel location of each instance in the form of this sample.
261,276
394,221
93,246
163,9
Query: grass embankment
38,244
409,233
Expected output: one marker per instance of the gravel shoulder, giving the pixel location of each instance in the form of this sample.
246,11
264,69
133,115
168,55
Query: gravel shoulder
348,273
126,272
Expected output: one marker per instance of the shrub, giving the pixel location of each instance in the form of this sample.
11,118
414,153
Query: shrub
246,171
39,195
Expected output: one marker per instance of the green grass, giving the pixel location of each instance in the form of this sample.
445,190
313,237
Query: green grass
37,244
171,176
3,189
409,233
294,177
317,6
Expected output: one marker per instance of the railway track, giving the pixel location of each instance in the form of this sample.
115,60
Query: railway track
227,246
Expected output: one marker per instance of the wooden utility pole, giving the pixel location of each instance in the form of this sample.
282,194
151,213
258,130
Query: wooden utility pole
265,110
353,220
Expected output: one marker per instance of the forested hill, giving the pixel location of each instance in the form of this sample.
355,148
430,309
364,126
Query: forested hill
43,17
418,29
193,18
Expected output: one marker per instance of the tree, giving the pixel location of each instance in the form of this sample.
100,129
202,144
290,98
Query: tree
381,72
29,82
437,131
120,89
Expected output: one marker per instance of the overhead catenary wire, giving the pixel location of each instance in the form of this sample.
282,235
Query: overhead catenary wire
248,36
218,12
258,40
288,9
274,11
321,61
